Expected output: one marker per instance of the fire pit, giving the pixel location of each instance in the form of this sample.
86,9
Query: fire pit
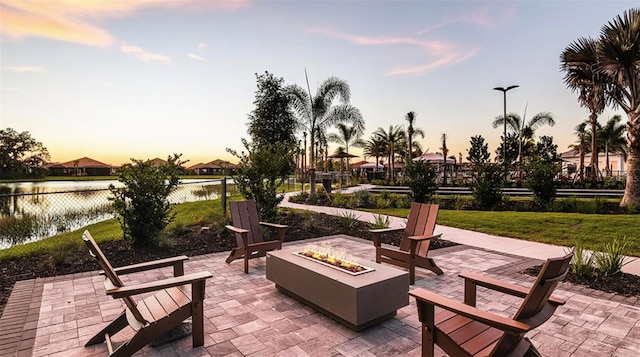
357,300
334,258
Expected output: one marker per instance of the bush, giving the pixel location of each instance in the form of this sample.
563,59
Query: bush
380,221
582,261
540,174
142,203
487,188
422,180
612,257
362,198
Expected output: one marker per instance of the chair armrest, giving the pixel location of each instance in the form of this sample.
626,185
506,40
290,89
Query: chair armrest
274,225
503,287
497,321
236,229
280,229
424,237
176,262
385,230
158,285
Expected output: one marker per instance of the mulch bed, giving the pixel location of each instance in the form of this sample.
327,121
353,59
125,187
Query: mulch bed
622,283
217,239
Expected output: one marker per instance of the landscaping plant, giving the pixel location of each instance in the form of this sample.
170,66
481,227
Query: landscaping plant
142,204
612,257
422,179
487,188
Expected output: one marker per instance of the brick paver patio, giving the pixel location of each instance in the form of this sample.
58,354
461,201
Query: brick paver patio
245,315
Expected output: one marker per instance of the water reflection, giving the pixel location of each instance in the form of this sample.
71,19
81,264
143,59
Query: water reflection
32,211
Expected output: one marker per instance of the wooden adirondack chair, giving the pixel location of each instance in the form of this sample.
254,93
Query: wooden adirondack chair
415,241
463,330
246,226
150,318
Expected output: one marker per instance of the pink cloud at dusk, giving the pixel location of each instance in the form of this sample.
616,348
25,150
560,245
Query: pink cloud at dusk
78,21
144,56
440,53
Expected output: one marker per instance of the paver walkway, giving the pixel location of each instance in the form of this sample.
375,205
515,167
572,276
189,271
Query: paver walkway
245,315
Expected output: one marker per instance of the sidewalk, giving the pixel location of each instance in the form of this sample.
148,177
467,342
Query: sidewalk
508,245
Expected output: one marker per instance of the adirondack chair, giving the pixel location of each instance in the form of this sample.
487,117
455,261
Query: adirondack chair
152,317
415,241
461,329
246,226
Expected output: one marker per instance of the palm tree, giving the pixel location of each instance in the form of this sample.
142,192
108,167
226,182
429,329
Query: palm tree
580,62
613,140
392,140
445,152
524,130
411,131
618,56
374,147
317,113
580,146
347,136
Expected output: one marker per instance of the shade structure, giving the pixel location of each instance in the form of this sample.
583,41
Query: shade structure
436,158
342,155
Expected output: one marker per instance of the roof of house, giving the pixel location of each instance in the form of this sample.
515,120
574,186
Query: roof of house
434,158
84,162
215,164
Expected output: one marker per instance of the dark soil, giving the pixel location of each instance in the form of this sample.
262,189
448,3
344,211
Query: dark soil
622,283
190,243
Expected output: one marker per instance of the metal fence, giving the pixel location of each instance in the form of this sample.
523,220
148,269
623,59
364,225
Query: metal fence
34,215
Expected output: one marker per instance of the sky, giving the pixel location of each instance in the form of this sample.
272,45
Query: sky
115,80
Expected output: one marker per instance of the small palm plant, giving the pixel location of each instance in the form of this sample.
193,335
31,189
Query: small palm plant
381,221
612,257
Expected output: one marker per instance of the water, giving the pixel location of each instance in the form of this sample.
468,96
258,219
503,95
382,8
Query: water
30,211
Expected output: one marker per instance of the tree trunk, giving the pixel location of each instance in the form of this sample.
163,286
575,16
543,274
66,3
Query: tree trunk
632,188
606,153
312,167
593,119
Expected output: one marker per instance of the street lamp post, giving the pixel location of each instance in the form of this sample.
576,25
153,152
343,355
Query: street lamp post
504,138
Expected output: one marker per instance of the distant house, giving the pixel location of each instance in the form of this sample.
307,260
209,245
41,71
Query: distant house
571,162
80,167
215,167
157,162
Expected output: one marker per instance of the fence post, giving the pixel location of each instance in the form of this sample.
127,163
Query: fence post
224,197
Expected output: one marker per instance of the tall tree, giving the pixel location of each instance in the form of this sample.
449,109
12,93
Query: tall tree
477,154
525,130
317,113
411,131
392,139
347,136
21,155
581,147
445,152
374,147
612,138
269,157
580,63
619,61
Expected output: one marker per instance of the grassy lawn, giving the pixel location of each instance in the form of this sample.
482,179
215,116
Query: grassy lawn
546,227
187,214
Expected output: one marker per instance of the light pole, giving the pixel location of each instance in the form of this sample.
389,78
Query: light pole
504,138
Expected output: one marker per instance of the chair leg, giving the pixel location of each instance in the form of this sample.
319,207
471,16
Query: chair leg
246,263
434,268
112,328
197,314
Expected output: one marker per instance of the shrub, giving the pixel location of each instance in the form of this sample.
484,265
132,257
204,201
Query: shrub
362,198
422,180
612,257
582,261
142,203
380,221
540,174
310,222
339,200
348,220
487,188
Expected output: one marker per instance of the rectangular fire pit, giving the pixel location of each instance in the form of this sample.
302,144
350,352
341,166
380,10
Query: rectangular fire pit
357,301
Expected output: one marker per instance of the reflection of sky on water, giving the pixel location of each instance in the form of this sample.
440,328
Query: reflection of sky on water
53,199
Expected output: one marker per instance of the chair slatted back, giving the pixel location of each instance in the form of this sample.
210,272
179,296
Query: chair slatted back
96,252
422,221
245,215
553,271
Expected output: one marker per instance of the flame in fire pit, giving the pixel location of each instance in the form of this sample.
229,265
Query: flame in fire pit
335,257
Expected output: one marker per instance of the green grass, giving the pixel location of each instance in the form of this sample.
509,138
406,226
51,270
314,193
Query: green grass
545,227
187,214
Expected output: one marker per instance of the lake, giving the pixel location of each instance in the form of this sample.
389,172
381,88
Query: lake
31,211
